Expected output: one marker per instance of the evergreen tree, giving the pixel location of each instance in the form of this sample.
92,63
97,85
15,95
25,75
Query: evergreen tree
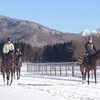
59,52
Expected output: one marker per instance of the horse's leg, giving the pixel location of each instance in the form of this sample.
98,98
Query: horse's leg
11,76
8,76
83,75
4,77
88,76
95,75
3,73
7,79
19,71
14,71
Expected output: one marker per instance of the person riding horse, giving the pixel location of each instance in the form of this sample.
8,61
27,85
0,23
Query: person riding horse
7,47
18,58
18,62
90,49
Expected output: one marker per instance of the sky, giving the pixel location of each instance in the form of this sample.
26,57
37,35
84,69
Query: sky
64,15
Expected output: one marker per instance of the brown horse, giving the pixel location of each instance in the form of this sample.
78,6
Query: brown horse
18,67
8,67
90,64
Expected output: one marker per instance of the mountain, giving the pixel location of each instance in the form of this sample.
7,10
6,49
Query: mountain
30,32
86,32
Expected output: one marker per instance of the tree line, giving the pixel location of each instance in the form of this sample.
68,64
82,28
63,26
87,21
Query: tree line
59,52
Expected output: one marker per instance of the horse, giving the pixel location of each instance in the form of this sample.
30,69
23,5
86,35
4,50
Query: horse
18,67
8,67
90,64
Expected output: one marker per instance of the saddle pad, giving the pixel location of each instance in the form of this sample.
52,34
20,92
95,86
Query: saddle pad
80,60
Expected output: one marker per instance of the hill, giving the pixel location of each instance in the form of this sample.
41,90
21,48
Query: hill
30,32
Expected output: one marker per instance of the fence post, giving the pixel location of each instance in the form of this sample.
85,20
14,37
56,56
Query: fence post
38,68
66,70
60,70
46,69
50,69
31,69
72,70
27,68
42,69
55,69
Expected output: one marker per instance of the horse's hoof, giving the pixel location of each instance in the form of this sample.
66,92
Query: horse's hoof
4,83
83,81
10,84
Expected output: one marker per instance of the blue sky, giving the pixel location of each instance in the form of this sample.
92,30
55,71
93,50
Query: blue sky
64,15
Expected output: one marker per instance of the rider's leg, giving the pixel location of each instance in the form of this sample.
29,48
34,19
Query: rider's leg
2,61
85,58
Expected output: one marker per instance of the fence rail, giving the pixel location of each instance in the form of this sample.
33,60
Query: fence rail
65,69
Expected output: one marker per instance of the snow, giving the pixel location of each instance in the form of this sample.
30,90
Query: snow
86,32
42,87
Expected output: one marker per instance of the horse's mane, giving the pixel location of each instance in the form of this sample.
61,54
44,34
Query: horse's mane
95,54
9,58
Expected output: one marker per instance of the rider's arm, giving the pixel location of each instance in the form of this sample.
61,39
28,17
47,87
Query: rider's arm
5,50
94,48
86,47
12,47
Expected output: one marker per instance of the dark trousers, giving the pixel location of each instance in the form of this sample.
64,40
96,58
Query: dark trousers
3,58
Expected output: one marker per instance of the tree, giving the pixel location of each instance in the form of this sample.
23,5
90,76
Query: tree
58,52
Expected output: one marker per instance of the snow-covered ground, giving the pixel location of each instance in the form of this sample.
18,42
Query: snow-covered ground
42,87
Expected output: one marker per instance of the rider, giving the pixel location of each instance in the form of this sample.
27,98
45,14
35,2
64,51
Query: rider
18,55
7,47
90,48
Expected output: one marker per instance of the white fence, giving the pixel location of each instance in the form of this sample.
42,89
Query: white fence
62,69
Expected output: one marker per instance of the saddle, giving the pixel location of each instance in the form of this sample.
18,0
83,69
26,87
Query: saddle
83,58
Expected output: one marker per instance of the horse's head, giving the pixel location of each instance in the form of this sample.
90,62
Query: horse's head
11,55
98,54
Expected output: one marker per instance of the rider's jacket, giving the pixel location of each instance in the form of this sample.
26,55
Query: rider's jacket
18,55
90,48
8,47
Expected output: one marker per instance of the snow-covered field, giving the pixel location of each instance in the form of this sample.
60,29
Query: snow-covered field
42,87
